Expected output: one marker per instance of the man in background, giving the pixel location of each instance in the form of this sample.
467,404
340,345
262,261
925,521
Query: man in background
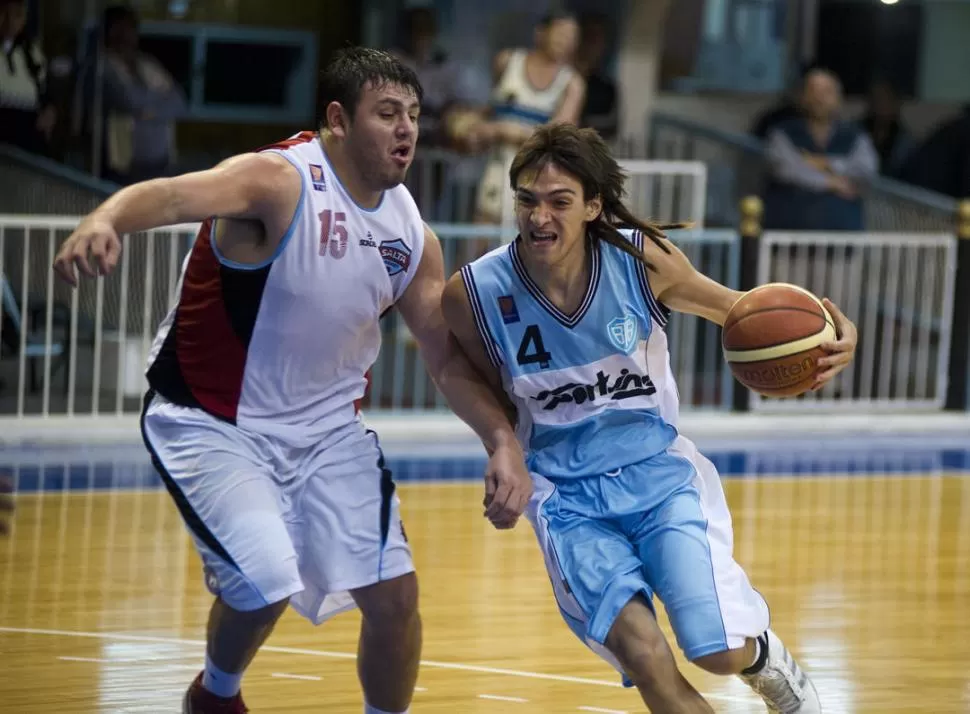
818,164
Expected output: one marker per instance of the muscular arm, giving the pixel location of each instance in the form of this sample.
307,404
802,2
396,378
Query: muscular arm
263,187
467,391
678,285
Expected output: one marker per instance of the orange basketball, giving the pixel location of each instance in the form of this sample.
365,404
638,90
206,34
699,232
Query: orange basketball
771,339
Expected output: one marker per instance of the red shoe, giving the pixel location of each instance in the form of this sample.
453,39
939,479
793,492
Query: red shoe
199,700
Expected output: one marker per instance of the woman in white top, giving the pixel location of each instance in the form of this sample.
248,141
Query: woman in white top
532,87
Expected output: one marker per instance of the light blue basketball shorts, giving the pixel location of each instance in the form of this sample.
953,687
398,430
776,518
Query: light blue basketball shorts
660,526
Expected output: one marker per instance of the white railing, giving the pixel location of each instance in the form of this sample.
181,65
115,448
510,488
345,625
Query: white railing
444,185
83,352
898,289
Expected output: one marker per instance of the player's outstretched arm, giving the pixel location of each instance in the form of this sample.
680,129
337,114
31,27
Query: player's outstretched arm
678,285
259,186
508,484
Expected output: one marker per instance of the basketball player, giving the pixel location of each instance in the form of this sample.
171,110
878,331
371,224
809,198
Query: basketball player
568,321
532,87
254,374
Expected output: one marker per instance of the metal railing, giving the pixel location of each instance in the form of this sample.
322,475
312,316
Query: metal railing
33,185
899,290
737,169
82,352
445,185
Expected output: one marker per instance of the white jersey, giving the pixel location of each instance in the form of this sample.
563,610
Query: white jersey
515,99
283,348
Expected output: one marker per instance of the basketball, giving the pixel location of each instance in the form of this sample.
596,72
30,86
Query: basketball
771,339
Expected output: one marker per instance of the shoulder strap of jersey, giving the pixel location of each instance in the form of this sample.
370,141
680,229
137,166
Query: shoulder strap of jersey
658,310
481,323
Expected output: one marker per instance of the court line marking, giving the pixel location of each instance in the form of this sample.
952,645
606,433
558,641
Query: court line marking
304,677
497,698
603,711
458,666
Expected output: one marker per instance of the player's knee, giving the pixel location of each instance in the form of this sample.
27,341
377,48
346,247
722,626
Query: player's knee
267,586
638,644
390,603
723,663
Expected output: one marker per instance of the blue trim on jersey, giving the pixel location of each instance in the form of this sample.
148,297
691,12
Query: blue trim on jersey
290,230
479,314
514,111
659,311
343,188
536,292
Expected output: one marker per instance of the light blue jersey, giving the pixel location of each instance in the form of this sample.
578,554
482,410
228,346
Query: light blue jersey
594,390
623,504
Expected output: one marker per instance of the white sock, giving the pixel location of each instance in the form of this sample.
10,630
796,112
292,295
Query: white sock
368,709
220,683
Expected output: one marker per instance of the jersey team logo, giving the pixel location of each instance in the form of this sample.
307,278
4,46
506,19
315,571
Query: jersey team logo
510,313
396,255
317,178
623,333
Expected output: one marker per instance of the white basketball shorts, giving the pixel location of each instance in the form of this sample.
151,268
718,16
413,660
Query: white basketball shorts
271,521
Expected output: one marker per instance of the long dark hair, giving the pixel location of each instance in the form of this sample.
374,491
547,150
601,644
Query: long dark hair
583,154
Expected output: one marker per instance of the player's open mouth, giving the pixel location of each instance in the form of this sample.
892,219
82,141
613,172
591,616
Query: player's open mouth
542,237
402,153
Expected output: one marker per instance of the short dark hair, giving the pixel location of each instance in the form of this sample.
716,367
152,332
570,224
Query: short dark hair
555,16
583,154
352,68
116,14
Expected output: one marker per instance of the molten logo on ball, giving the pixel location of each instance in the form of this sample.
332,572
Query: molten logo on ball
778,375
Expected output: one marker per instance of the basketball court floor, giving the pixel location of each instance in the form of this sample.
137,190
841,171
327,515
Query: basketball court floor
863,552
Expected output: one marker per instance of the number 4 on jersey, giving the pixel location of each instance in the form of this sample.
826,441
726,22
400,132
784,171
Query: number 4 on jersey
532,340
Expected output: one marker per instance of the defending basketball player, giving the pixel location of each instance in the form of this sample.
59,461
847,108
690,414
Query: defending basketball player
568,322
254,375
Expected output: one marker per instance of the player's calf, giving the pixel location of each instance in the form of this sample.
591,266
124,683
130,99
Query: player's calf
233,638
635,639
389,652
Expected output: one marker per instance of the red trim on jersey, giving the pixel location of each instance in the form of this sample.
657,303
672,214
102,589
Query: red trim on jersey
302,138
210,355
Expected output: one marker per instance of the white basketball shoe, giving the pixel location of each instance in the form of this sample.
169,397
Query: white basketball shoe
783,685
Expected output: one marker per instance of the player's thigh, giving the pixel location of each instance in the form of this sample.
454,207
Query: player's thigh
686,545
220,479
351,532
594,569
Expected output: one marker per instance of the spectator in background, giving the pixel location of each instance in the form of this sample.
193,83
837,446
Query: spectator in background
883,123
441,77
141,104
27,118
531,87
818,164
601,109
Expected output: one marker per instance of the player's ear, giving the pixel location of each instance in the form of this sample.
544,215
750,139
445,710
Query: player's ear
337,120
594,207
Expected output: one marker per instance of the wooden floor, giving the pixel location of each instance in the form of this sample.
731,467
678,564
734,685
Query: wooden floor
102,606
